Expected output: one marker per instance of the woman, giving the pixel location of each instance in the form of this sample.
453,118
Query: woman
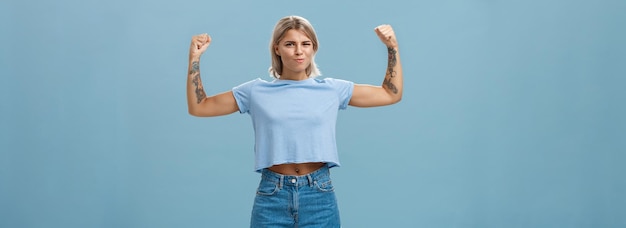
294,119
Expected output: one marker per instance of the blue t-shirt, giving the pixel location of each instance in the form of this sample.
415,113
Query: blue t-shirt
294,121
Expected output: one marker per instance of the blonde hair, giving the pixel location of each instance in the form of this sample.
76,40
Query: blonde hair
285,24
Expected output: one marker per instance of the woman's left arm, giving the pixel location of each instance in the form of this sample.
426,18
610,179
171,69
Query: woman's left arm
390,92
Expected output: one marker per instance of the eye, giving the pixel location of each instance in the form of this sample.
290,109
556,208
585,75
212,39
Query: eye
289,44
307,44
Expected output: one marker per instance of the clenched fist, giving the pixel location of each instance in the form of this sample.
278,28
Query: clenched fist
386,35
199,44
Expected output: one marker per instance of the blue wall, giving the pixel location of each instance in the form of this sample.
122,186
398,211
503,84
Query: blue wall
513,114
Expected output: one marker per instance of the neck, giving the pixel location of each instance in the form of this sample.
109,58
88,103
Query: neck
294,77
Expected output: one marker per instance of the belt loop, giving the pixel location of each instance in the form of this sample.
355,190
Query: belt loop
280,181
308,176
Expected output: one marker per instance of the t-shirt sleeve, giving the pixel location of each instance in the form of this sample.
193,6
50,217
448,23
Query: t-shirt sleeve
242,95
344,91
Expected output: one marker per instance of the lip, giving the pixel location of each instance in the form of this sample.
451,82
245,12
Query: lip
300,60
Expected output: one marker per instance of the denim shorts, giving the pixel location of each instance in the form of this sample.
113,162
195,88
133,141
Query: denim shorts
295,201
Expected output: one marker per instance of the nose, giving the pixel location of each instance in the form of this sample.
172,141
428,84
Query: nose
298,49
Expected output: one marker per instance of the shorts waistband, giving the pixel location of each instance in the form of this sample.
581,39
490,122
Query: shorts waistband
307,179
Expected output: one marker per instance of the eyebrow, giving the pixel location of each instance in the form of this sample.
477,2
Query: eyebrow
291,41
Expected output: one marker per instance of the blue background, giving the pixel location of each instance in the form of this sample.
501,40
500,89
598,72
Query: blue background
512,116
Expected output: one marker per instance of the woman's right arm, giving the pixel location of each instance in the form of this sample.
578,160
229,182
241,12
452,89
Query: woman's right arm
197,101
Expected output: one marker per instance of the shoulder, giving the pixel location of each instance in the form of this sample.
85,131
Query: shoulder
333,81
253,82
343,87
249,84
330,80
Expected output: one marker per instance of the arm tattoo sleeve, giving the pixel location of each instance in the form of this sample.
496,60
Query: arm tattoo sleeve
195,73
391,62
390,85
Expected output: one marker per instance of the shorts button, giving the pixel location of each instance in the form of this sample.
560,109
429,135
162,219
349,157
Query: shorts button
293,181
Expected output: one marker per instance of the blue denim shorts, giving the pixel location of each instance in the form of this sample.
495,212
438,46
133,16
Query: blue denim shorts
295,201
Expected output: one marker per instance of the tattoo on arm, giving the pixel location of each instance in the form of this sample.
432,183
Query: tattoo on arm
195,73
391,62
391,86
195,67
392,57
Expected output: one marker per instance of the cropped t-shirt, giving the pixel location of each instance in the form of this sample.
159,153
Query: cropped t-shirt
294,121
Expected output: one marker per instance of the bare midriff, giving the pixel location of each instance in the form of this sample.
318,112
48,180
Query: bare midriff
297,169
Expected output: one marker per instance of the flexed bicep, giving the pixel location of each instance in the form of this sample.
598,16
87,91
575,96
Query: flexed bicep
217,105
370,96
390,90
198,103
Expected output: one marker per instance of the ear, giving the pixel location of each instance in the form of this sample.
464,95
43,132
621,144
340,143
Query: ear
276,50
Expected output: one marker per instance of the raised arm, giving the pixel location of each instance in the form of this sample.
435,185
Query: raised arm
390,92
197,101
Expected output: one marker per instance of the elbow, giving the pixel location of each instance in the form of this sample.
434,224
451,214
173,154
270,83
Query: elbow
193,112
399,99
394,96
396,99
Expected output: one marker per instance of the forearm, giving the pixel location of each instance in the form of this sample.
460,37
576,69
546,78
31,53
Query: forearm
393,77
195,89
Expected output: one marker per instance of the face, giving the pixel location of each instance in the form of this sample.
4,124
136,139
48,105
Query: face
295,51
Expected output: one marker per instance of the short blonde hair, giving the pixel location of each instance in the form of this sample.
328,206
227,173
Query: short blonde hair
285,24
